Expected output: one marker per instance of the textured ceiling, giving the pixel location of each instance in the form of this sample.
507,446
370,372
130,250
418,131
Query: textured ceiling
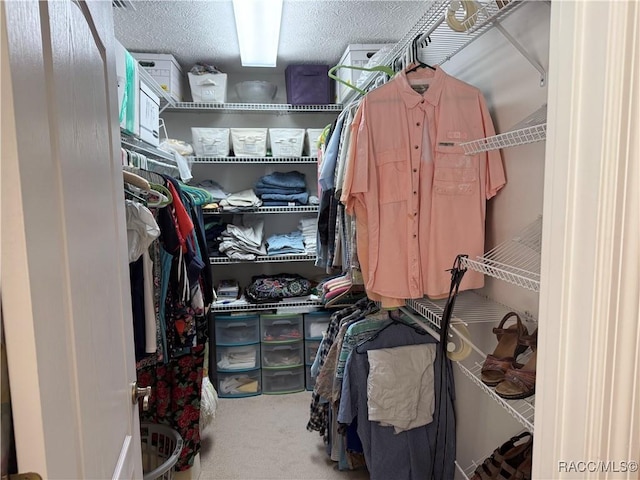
312,30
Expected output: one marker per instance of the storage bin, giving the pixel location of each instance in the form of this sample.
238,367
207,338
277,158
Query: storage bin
165,70
311,144
161,447
211,142
282,355
309,381
243,357
280,328
310,350
249,142
237,330
315,324
208,87
149,115
239,384
286,380
308,85
357,55
286,142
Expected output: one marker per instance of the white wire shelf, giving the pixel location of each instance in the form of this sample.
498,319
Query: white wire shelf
522,410
253,107
531,129
446,43
132,143
264,259
268,210
260,160
464,472
249,307
515,261
470,308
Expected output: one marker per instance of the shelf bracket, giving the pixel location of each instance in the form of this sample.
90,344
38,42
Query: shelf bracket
525,54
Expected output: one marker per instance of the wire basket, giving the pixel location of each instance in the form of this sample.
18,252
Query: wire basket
161,447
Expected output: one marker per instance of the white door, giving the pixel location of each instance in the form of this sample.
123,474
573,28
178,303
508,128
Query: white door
65,279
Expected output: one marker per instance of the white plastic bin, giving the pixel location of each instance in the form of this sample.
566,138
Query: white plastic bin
249,142
211,142
286,142
313,135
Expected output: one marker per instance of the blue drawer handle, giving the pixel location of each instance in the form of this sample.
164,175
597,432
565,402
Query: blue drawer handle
283,347
239,324
279,374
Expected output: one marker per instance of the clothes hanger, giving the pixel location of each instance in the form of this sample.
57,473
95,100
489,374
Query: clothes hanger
414,55
379,68
395,320
134,179
163,195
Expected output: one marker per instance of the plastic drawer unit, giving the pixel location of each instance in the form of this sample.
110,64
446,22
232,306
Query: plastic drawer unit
237,330
244,357
310,381
284,380
280,328
310,351
239,384
316,324
280,355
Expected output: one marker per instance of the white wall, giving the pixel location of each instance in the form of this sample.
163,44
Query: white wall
511,86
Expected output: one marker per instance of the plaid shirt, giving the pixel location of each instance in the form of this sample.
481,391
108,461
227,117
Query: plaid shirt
319,410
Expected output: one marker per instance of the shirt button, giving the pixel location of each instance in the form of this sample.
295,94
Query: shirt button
422,101
415,170
414,236
416,147
415,193
415,213
417,124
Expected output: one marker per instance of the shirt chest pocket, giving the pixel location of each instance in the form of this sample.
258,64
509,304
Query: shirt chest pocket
454,172
393,176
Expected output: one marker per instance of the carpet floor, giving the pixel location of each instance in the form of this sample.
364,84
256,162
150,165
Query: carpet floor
265,438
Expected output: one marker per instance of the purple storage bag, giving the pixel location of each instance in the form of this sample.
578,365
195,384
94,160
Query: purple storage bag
308,85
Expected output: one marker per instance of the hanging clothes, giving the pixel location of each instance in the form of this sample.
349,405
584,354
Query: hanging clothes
425,452
418,200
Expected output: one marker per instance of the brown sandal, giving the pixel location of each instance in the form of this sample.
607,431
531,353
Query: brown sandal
505,353
518,466
520,380
492,466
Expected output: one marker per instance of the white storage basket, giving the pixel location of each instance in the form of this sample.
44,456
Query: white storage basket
286,142
249,142
210,142
313,135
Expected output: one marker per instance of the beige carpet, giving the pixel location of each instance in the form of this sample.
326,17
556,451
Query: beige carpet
265,437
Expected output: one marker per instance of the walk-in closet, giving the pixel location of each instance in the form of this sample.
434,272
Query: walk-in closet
397,240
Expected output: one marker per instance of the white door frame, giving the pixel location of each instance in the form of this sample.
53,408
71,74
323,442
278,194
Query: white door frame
588,394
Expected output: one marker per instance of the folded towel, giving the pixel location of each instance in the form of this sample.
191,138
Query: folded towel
301,198
285,179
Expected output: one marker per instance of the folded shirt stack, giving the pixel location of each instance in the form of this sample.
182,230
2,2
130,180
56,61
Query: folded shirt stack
282,189
237,360
245,200
286,244
243,242
309,229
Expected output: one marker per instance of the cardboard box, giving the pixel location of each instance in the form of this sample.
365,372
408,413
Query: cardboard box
149,115
165,70
128,90
357,55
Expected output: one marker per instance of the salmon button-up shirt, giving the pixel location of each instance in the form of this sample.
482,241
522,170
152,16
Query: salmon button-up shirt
418,200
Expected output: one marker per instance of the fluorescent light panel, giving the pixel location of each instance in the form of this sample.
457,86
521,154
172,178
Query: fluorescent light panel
258,29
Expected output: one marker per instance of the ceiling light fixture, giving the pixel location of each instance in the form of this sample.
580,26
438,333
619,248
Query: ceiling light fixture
258,29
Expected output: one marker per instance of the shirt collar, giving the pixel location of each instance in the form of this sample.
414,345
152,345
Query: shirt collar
412,98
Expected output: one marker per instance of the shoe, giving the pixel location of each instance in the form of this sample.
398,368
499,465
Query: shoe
520,380
505,353
518,466
492,466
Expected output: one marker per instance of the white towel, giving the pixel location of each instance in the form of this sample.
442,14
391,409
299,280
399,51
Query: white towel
400,390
